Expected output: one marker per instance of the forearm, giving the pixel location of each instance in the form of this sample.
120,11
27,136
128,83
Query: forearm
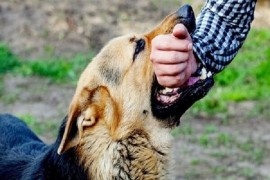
222,27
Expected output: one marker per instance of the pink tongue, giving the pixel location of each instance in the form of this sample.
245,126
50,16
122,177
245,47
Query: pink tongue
192,80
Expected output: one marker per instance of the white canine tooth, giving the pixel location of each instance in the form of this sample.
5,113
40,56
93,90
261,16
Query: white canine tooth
204,74
209,74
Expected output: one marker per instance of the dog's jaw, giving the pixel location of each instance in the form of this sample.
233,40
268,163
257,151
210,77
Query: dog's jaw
183,98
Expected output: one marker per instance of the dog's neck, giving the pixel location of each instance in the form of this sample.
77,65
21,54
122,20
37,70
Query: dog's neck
132,157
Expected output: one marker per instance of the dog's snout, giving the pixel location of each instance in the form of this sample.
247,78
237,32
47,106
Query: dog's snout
187,17
185,11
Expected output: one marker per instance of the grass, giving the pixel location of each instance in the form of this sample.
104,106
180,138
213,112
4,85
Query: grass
56,69
221,145
40,128
222,154
184,129
217,139
1,86
8,61
59,70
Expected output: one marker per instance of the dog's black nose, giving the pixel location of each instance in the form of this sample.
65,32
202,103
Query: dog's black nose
187,17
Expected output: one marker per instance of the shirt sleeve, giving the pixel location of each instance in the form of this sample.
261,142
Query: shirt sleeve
222,27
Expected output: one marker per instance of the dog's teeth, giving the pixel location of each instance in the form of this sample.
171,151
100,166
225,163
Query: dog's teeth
209,74
204,74
167,90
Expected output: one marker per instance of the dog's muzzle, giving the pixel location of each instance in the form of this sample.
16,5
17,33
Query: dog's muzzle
168,105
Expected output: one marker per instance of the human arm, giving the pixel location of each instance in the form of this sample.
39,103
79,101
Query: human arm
222,27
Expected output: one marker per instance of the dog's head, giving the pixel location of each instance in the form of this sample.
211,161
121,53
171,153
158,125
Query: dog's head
118,91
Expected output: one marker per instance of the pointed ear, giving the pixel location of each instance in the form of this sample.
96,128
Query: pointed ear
84,111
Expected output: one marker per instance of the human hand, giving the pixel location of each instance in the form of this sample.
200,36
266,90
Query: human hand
172,57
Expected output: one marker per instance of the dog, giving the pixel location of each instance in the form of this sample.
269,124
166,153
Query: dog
118,123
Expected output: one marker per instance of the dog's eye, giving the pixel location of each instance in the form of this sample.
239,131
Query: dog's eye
140,44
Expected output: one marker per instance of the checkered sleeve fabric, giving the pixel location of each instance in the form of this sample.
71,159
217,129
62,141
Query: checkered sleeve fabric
222,27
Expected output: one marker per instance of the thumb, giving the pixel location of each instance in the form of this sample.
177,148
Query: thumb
180,31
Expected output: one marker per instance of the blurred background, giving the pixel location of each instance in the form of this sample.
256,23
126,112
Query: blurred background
45,44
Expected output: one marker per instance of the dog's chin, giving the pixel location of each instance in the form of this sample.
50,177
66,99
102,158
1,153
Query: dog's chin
168,105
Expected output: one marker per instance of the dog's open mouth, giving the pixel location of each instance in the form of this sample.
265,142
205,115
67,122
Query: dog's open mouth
170,104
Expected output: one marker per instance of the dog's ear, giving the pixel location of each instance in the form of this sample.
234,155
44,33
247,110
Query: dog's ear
85,111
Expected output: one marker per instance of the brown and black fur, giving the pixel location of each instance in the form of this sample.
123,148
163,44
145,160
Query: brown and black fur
113,129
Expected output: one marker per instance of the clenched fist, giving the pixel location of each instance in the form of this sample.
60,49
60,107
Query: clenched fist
172,57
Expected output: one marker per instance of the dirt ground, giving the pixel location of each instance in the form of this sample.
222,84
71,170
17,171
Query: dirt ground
42,28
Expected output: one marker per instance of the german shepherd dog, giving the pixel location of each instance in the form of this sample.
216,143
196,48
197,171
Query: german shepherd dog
118,123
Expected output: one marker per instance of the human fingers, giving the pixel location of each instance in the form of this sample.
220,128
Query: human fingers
172,81
168,57
170,69
169,42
